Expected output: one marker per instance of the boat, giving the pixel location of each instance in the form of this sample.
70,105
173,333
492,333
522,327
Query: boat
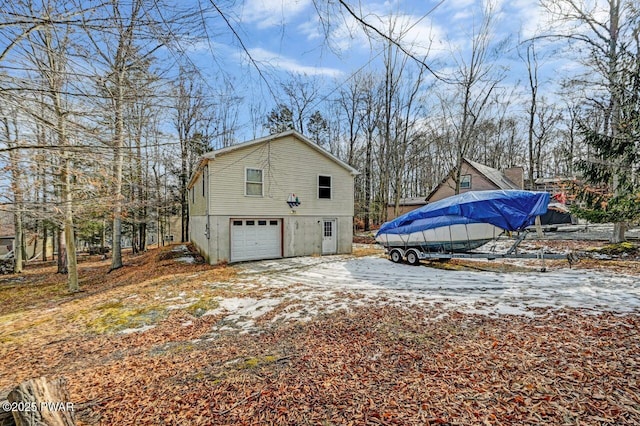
462,222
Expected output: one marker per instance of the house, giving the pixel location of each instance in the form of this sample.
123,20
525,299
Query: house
277,196
6,232
478,177
563,188
405,206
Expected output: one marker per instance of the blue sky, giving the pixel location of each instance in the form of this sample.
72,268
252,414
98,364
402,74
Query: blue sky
287,36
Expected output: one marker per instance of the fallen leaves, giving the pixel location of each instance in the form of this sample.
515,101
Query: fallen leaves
384,364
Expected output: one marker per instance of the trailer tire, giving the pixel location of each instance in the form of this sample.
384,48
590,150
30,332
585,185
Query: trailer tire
412,257
395,256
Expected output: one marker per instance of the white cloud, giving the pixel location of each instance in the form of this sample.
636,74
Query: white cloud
529,15
283,63
415,33
269,13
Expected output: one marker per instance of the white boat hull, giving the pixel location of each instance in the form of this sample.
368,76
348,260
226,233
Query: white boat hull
450,238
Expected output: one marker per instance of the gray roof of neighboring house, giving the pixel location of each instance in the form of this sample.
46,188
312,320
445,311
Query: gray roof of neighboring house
411,201
494,175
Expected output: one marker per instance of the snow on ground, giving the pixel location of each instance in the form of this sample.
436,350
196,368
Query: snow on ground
308,286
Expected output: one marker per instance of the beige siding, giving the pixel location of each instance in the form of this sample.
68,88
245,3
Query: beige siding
401,210
197,201
289,166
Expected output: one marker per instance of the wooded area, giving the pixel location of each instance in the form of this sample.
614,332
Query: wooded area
104,115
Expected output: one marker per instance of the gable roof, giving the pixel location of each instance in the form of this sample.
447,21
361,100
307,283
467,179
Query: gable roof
410,201
270,138
495,176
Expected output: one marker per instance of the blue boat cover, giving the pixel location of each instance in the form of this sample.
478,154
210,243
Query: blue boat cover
511,210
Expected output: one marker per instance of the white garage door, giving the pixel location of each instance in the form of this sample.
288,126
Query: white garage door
253,239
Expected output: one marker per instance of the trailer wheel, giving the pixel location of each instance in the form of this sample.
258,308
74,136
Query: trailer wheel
395,256
412,257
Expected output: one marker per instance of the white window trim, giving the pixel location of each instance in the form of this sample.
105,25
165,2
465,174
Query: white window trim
245,182
330,187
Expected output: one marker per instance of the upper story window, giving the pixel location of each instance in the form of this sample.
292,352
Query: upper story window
324,187
253,182
465,181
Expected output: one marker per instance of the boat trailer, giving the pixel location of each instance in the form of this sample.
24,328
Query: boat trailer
414,254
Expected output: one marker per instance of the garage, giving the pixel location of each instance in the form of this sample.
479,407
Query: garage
253,239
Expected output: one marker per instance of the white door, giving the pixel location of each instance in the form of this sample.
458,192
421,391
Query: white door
253,239
329,239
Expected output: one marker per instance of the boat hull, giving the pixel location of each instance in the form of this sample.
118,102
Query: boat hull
450,238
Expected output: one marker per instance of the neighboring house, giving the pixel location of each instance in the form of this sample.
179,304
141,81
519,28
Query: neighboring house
277,196
405,206
6,232
171,227
562,188
478,177
32,242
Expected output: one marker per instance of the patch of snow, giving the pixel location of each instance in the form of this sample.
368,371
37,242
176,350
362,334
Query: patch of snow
176,307
315,285
186,259
137,330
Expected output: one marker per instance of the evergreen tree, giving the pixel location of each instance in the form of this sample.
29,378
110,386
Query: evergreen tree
279,120
613,164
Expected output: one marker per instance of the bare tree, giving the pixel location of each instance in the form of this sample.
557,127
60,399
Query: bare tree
369,116
531,61
350,101
475,80
116,39
301,93
190,120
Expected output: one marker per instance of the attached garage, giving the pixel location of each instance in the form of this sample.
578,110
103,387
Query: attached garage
253,239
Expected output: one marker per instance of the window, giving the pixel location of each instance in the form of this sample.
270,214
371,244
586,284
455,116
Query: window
237,223
465,182
328,228
324,187
273,222
262,223
253,182
250,222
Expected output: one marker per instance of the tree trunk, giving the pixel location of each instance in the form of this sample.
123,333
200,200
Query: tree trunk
116,256
48,403
18,243
62,256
